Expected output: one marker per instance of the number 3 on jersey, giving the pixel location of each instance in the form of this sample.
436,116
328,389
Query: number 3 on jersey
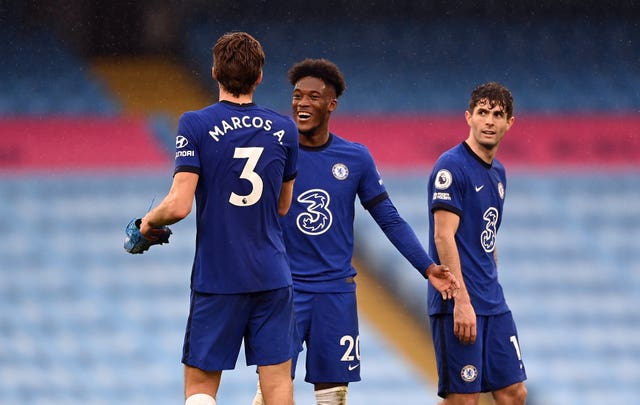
252,155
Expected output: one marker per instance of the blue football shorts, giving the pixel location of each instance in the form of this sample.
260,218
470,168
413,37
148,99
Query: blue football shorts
218,324
328,326
493,362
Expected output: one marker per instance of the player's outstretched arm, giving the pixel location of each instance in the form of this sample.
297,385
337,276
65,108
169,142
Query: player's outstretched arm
443,280
142,233
174,207
402,236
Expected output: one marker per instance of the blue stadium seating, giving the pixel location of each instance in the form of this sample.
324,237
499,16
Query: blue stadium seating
562,64
411,65
85,322
41,76
569,259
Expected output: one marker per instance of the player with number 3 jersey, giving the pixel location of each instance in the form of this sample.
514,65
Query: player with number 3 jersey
239,161
243,152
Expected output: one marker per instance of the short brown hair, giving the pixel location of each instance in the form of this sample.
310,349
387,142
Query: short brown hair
495,94
238,59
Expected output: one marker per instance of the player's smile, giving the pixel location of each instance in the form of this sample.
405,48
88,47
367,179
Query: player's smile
303,116
312,103
305,122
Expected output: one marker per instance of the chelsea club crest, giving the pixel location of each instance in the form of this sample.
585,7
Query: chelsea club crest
501,190
340,171
469,373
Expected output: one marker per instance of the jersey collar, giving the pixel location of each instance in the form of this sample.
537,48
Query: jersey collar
476,157
318,148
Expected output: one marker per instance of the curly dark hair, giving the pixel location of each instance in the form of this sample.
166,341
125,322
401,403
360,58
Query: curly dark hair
496,94
322,69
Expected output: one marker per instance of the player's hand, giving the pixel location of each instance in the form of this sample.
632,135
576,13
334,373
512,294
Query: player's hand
464,322
443,280
147,231
136,242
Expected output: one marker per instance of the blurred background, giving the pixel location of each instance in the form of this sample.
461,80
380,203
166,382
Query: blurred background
90,94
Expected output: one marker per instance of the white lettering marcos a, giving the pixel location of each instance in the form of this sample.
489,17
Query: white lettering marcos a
234,123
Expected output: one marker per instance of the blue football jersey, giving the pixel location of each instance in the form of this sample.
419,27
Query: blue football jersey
242,154
464,184
318,229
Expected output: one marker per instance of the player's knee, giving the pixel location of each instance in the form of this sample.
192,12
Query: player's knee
461,399
515,394
200,399
332,396
520,395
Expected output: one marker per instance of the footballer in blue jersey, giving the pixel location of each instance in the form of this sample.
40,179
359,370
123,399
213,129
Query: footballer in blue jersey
238,160
319,233
245,152
475,337
318,229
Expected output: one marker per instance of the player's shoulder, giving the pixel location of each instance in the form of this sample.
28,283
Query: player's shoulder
274,115
189,116
497,165
347,145
193,117
277,121
453,157
190,123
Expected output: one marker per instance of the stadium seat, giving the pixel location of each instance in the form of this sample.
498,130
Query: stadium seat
41,76
409,65
102,327
89,323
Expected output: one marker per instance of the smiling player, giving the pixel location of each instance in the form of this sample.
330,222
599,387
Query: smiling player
318,232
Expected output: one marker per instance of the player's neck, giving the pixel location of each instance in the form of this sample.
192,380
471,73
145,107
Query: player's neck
314,140
485,153
241,99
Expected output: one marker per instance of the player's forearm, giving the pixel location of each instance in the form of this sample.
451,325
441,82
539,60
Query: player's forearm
401,235
448,255
168,212
178,202
411,248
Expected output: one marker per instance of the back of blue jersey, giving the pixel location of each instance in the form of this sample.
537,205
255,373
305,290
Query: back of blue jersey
462,183
319,226
242,154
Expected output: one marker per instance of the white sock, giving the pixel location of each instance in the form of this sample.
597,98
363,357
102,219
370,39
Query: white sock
332,396
200,399
257,400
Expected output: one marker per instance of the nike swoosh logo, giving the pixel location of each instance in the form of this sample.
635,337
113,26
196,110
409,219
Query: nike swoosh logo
478,188
353,367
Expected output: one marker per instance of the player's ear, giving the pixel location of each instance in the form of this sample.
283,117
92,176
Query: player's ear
213,72
333,104
510,122
467,116
259,78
